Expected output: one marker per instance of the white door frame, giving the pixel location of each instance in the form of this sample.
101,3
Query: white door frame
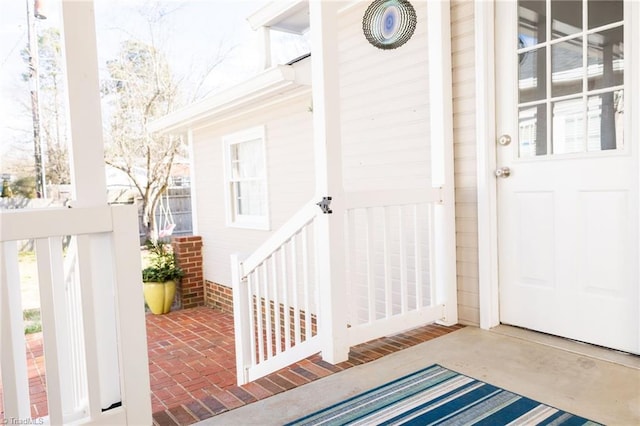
484,13
486,164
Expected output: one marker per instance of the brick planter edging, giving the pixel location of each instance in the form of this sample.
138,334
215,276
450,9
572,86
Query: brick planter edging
219,296
188,251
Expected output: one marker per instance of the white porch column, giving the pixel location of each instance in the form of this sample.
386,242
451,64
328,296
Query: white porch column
13,364
265,41
87,148
328,155
90,189
441,119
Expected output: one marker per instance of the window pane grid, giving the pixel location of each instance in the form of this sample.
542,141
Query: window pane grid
571,62
565,97
246,179
535,46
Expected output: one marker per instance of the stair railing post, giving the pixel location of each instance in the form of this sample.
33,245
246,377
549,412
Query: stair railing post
330,229
241,320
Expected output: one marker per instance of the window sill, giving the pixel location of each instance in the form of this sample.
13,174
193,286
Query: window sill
258,225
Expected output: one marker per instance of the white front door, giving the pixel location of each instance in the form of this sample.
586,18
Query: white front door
568,186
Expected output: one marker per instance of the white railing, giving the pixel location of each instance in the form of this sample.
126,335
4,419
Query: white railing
94,335
389,279
275,294
390,270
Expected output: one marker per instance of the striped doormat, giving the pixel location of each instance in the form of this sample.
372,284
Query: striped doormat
438,396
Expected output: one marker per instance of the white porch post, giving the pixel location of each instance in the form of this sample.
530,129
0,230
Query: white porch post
87,148
323,17
441,124
13,364
89,187
265,41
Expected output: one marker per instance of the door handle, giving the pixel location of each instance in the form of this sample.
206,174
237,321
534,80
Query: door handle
504,140
503,172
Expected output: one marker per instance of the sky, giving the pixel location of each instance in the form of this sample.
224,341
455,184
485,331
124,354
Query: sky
194,31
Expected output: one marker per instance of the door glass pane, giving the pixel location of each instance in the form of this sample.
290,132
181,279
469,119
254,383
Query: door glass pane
605,116
606,59
566,17
566,64
549,123
532,22
568,126
602,12
532,75
532,131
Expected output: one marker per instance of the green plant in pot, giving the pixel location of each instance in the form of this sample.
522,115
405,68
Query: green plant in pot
160,277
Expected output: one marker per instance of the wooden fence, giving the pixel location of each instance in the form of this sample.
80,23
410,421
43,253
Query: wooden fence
175,208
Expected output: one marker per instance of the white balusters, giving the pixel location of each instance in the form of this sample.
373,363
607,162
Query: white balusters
390,245
13,362
280,297
50,272
106,253
389,282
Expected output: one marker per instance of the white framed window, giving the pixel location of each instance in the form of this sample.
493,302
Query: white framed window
246,179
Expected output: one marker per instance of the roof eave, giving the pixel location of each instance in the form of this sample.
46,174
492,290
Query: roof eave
268,82
290,16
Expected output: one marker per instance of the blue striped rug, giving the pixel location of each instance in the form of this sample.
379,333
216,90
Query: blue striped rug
438,396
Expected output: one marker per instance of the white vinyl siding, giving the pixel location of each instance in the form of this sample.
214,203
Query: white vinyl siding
385,137
290,178
385,126
464,136
246,179
385,132
385,108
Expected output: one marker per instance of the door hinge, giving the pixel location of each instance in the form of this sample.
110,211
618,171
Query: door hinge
441,195
324,205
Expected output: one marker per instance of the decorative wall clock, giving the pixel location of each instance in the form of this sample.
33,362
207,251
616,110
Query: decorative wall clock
388,24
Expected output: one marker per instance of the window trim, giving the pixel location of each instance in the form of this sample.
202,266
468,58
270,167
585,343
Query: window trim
233,220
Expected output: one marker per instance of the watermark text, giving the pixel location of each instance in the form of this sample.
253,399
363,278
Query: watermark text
16,421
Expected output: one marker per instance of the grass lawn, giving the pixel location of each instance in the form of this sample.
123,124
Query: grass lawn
32,323
29,291
29,280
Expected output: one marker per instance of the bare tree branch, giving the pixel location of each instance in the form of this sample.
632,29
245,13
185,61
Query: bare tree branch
140,88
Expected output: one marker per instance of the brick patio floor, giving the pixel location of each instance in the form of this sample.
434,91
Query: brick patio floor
192,366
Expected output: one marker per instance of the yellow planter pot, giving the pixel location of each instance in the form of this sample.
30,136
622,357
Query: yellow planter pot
159,296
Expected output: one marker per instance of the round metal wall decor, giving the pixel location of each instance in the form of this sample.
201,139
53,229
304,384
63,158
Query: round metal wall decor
388,24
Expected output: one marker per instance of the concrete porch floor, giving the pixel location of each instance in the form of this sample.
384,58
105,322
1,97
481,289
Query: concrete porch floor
596,383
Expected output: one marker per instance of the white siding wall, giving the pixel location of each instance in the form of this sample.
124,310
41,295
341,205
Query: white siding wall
385,130
289,150
385,136
385,109
462,46
386,125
